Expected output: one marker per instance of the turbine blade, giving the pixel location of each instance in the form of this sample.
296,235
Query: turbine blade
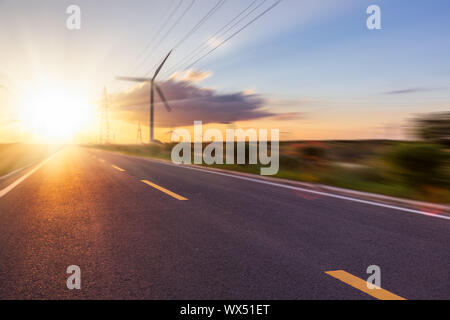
162,64
163,98
133,79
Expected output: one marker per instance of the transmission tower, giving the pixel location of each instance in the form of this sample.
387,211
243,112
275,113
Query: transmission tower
139,134
104,121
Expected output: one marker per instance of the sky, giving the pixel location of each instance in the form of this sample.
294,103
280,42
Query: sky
310,68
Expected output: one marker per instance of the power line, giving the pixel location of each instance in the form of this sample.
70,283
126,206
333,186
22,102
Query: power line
234,34
167,34
157,34
211,12
218,33
205,18
197,26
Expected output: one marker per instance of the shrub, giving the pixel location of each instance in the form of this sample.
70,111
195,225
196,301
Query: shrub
153,149
417,164
169,146
434,127
288,162
312,153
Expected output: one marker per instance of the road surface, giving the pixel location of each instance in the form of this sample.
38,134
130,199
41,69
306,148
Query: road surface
140,229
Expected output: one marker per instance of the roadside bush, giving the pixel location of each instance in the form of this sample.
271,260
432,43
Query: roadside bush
153,149
312,153
373,174
434,127
169,146
417,164
289,162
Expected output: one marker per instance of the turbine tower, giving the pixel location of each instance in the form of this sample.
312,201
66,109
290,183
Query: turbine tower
153,87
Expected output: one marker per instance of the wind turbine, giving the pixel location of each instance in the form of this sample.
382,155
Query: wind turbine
153,86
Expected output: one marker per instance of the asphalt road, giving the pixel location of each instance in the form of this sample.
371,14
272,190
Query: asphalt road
232,239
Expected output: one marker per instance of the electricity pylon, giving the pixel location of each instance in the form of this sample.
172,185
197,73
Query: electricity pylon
104,121
139,134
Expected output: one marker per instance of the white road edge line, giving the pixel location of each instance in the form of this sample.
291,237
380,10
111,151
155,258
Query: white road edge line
307,190
6,176
6,190
326,194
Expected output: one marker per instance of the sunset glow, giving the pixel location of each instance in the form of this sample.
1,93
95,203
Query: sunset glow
54,114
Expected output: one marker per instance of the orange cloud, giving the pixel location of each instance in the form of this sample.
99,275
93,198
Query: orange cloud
190,75
189,103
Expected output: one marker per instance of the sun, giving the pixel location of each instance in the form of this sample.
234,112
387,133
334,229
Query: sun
55,115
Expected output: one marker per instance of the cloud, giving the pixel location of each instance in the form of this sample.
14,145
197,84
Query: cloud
189,103
411,90
190,75
288,116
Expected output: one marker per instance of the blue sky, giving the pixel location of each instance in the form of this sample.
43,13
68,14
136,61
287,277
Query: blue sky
311,57
338,55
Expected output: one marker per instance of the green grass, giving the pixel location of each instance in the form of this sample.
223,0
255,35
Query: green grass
16,156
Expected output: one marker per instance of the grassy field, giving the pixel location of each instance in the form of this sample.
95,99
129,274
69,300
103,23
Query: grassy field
16,156
358,165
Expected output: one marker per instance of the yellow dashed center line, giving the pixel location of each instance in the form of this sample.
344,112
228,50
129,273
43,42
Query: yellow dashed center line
170,193
361,285
118,168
